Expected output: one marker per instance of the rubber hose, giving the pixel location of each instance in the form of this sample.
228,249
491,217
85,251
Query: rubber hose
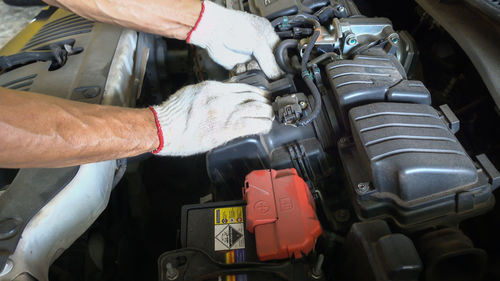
308,50
310,84
308,18
317,103
281,54
297,19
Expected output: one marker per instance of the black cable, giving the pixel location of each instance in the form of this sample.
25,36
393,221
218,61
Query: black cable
287,23
310,83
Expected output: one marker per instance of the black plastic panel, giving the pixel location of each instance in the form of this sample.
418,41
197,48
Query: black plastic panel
404,163
284,147
372,252
272,9
409,150
372,78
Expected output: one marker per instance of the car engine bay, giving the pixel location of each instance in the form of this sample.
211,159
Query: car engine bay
382,162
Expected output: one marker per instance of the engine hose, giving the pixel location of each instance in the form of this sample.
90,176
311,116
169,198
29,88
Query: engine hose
310,83
299,18
304,121
332,56
308,50
288,22
281,54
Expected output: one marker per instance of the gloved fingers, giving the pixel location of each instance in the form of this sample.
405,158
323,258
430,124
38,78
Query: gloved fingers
265,57
272,39
252,109
265,31
244,127
231,103
252,126
225,90
226,57
230,88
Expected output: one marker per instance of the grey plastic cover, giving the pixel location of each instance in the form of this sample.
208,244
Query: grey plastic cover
409,150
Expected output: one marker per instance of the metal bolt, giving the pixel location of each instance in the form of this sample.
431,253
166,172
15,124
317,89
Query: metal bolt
340,9
303,104
343,140
172,272
394,38
363,187
351,40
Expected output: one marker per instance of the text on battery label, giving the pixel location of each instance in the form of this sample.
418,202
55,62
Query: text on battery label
228,215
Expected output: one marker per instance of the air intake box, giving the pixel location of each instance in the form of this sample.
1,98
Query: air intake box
404,163
376,77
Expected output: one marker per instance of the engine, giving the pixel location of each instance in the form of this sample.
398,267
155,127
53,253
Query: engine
367,172
346,104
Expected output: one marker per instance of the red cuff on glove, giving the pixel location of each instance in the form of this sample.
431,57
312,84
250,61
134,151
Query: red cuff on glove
160,132
197,22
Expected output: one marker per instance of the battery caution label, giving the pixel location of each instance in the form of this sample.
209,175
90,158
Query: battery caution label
229,229
228,215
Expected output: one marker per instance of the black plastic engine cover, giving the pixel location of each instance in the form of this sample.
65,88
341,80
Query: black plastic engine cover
284,147
371,252
272,9
404,163
374,77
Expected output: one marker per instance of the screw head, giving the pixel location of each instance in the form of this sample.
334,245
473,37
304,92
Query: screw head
303,104
351,41
363,187
394,38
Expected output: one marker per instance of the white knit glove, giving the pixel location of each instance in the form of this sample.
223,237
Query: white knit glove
200,117
232,37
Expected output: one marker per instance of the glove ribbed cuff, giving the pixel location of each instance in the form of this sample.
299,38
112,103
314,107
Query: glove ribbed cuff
197,22
159,131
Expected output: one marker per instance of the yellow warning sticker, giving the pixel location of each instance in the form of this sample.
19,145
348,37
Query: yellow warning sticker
229,229
228,215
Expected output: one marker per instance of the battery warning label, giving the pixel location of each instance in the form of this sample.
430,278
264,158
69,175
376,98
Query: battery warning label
229,229
228,215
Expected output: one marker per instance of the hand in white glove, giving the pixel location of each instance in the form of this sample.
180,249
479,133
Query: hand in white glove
232,37
200,117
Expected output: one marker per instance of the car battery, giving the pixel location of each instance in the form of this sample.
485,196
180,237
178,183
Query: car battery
280,212
219,230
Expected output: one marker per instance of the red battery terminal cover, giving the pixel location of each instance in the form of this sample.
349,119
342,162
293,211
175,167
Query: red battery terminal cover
282,214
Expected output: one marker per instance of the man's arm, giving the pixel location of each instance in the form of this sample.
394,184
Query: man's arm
43,131
170,18
231,37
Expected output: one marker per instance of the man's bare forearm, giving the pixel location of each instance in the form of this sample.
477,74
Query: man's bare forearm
170,18
43,131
